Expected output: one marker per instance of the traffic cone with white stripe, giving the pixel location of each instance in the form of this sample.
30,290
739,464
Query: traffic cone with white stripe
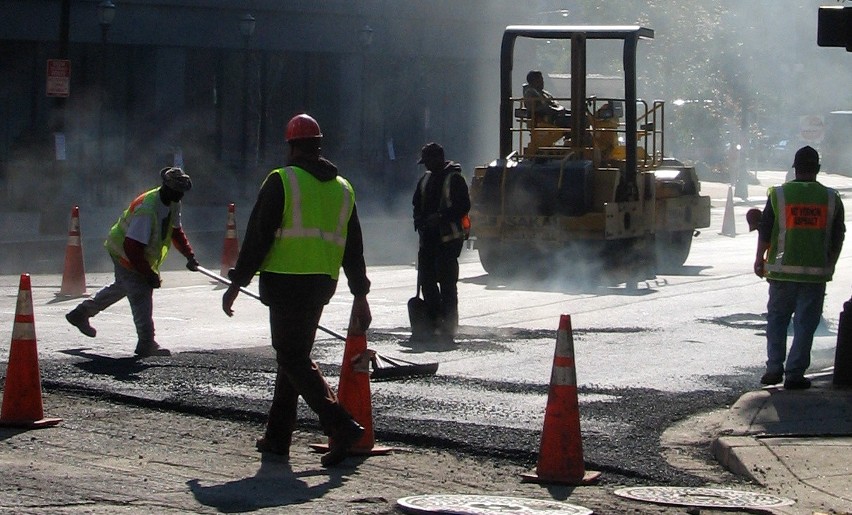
74,273
22,405
560,457
231,247
353,393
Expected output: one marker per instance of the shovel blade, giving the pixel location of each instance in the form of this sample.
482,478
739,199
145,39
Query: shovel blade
403,371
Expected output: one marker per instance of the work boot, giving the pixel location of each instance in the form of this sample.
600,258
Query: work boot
797,383
341,441
148,349
265,445
771,378
80,320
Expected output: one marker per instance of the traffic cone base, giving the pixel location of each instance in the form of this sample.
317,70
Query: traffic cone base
589,477
375,450
22,403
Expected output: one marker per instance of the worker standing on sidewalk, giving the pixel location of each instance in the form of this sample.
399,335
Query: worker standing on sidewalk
303,227
138,244
800,235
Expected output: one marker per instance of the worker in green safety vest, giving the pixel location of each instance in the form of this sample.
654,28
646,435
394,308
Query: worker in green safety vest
303,227
138,244
800,235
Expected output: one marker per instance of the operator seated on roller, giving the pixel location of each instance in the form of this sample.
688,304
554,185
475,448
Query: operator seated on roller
543,108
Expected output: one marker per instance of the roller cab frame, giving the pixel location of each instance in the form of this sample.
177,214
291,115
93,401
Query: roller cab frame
597,193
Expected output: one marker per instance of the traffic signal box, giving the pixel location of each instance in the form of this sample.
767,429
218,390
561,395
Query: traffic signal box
834,27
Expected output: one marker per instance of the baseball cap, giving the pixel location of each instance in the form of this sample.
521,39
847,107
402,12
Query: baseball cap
806,155
431,150
175,178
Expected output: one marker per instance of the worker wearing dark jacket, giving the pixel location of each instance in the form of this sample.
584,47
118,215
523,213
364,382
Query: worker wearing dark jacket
441,201
303,227
138,244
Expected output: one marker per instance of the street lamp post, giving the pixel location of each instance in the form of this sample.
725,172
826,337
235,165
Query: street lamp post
106,13
365,37
247,24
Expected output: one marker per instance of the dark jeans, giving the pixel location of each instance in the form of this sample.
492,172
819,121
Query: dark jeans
438,273
293,333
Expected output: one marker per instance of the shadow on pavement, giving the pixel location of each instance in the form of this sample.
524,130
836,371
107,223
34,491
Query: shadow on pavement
274,485
121,369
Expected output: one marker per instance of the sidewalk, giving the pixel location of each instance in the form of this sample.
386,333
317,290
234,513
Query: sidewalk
797,444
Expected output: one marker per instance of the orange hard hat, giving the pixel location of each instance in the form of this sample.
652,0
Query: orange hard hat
302,126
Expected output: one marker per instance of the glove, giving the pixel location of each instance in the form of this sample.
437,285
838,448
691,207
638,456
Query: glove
192,264
153,281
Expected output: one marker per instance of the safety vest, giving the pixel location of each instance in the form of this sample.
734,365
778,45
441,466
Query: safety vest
801,236
452,230
315,223
159,239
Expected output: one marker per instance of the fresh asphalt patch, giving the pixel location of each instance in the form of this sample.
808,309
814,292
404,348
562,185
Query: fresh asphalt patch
621,427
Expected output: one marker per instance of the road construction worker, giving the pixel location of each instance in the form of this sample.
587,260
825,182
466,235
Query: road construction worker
800,235
303,227
441,203
541,105
138,244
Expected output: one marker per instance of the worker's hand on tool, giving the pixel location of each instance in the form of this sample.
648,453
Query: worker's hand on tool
192,264
153,280
228,299
361,317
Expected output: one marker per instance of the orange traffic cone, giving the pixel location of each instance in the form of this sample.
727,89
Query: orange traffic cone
353,393
231,247
560,458
22,406
74,274
729,227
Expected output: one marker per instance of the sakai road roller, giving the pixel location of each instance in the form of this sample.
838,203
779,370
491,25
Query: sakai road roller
594,193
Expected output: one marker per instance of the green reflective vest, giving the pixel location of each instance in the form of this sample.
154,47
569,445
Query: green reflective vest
159,239
801,236
315,223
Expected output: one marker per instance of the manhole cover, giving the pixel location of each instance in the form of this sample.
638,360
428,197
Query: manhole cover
486,505
702,497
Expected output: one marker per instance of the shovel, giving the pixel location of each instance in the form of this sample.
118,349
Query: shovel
384,368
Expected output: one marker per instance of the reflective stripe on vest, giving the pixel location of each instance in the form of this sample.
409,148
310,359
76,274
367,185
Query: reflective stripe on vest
313,234
450,230
158,243
804,216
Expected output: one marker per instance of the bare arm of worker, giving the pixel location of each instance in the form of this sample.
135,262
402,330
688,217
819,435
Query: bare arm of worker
760,257
361,317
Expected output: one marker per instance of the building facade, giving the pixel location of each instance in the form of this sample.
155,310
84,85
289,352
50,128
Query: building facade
199,84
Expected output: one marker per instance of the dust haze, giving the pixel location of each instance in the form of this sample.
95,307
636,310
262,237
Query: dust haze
737,77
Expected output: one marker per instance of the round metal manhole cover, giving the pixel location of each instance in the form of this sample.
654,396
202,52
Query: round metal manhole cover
702,497
486,505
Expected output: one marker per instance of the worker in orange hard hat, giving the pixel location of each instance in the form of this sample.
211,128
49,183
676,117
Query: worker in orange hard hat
303,228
